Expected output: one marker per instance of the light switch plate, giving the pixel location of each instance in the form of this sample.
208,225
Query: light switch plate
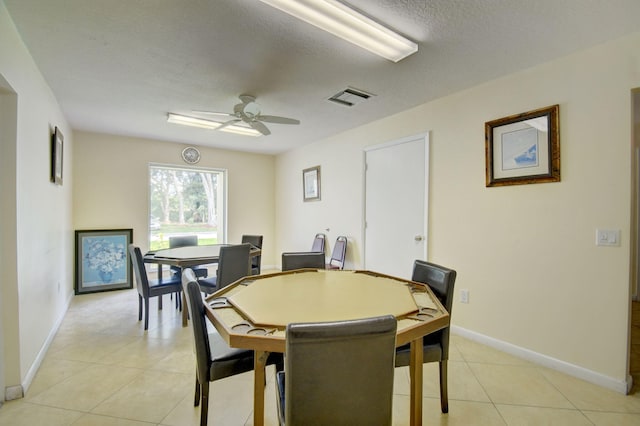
607,237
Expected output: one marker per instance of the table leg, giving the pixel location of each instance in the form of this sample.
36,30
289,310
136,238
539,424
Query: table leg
415,371
259,362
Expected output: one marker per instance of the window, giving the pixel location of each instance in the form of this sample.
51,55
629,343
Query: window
186,201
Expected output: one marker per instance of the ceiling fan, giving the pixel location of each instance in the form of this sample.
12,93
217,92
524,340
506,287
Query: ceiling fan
248,111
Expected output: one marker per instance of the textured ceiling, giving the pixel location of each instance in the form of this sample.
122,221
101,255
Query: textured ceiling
119,66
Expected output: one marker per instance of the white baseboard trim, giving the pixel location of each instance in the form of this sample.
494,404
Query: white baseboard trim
31,374
621,386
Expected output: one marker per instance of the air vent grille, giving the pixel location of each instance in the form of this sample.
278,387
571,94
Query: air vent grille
350,97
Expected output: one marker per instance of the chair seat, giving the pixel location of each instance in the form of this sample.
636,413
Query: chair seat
227,361
430,353
164,286
209,285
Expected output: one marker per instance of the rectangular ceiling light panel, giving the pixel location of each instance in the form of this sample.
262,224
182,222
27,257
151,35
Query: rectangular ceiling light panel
208,124
344,22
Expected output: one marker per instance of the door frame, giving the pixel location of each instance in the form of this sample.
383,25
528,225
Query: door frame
425,137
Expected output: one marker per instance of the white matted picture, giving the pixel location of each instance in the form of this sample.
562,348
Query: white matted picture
523,148
102,260
311,183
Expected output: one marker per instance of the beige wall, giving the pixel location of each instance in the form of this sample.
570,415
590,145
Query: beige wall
111,189
527,254
37,256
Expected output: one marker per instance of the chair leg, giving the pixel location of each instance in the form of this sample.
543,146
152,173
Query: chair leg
204,401
196,400
444,394
146,313
159,302
139,308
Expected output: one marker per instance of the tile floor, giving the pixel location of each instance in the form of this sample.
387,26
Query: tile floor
103,369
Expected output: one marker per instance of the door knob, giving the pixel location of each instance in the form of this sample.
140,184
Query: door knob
418,238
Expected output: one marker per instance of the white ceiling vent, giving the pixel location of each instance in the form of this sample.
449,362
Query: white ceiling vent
350,97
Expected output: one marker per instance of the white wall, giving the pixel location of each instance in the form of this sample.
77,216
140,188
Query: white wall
112,186
38,286
526,253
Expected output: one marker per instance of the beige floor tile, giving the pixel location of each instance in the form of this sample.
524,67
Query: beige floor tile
510,384
53,371
516,415
95,420
86,389
461,413
22,413
92,347
475,352
587,396
613,419
149,397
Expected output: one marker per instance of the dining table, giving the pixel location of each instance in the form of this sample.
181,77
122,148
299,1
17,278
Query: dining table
189,256
253,313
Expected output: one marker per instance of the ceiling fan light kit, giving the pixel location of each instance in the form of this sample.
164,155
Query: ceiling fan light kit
344,22
209,124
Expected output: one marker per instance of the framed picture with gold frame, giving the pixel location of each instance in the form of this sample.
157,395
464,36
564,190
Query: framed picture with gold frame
523,148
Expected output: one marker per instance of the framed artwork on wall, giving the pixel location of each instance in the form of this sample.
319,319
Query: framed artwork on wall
311,184
523,148
102,260
57,142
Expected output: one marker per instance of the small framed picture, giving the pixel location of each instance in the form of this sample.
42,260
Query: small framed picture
57,142
523,148
102,260
311,184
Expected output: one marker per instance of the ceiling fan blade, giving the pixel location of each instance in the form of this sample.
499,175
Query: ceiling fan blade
259,127
228,123
226,114
278,120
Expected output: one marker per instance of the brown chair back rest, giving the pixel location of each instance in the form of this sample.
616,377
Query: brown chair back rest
183,241
233,264
302,259
441,280
256,241
142,281
340,373
198,324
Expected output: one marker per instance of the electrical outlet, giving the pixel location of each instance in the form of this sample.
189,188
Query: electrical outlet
464,296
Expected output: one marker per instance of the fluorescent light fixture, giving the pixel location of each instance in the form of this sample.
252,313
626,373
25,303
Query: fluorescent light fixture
344,22
208,124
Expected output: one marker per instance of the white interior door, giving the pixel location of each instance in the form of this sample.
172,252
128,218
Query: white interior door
395,217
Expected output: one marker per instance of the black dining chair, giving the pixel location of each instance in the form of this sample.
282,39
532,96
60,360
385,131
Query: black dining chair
338,373
318,243
435,346
214,358
151,288
233,264
302,260
338,254
256,261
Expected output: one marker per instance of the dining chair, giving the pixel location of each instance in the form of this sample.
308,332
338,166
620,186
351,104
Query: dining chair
214,358
233,264
151,288
318,243
435,346
338,373
256,261
302,260
338,254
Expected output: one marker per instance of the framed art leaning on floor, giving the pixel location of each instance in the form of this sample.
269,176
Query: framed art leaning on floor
102,260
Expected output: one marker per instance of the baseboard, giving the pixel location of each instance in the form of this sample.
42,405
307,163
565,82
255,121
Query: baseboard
621,386
31,374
